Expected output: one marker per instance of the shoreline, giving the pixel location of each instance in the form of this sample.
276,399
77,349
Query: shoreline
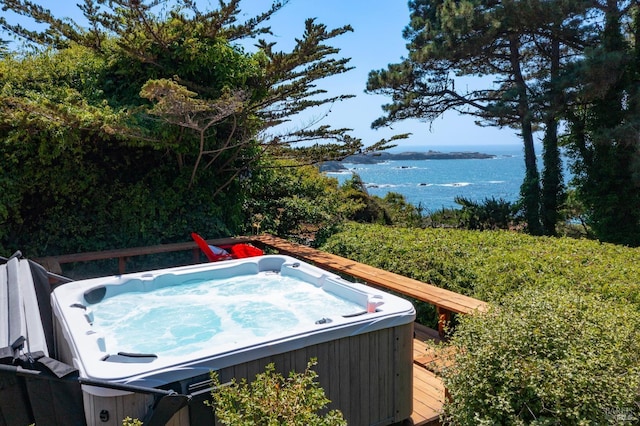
380,157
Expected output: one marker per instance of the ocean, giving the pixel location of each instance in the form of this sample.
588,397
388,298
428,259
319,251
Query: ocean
434,184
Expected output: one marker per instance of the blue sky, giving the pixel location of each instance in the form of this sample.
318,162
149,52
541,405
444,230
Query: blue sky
375,42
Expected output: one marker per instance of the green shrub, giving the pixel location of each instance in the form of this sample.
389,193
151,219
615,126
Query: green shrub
490,214
546,357
563,347
272,399
402,212
443,218
290,201
363,208
490,265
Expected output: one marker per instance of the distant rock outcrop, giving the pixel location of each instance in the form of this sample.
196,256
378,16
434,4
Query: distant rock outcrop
378,157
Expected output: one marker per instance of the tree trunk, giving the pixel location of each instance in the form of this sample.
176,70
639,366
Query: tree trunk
530,189
552,185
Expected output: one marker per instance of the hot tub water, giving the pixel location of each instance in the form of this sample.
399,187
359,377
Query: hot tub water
189,317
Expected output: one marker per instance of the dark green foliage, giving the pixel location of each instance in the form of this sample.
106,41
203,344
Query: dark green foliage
489,214
72,184
603,140
145,126
392,209
363,208
291,201
402,213
573,214
445,217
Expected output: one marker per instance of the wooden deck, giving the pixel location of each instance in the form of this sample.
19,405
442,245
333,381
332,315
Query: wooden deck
428,389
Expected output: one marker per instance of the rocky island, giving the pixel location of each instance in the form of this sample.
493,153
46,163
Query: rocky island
381,156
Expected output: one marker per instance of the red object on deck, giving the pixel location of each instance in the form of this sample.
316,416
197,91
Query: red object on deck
238,251
206,249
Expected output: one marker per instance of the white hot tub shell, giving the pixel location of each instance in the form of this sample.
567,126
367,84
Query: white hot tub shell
364,356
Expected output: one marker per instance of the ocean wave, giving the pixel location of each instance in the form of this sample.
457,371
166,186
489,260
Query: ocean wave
455,184
340,172
450,185
382,185
495,181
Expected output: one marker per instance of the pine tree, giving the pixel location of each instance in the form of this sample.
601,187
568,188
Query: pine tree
605,128
522,45
199,51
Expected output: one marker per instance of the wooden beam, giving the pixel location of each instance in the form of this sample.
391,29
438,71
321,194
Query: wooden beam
139,251
135,251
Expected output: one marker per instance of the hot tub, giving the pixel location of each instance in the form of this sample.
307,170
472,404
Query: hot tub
169,328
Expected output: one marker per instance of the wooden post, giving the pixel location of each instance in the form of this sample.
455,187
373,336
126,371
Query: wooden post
122,264
196,255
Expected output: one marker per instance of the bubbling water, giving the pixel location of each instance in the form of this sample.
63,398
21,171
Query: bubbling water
179,319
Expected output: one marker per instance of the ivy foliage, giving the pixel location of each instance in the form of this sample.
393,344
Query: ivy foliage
272,400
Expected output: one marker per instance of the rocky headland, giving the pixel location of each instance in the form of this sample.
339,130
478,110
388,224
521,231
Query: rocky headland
379,157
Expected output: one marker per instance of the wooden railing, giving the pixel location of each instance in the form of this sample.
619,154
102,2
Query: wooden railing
54,263
446,302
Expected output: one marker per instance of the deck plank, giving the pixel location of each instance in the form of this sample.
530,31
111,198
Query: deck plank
428,388
428,397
